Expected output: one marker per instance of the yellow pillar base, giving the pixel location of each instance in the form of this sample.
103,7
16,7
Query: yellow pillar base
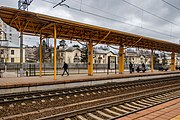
40,53
55,52
152,60
121,60
90,59
173,67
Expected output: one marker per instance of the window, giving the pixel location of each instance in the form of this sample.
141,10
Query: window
10,34
12,52
12,60
61,60
76,60
61,54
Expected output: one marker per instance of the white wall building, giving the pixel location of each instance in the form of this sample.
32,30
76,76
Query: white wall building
69,55
101,56
11,53
12,34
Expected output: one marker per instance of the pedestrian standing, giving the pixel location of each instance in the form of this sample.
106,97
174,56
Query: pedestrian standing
130,67
65,67
143,67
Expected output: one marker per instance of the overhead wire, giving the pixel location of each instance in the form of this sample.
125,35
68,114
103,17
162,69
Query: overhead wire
107,12
170,4
128,3
115,20
150,13
100,9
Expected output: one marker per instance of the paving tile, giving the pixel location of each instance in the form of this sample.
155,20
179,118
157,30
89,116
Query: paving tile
78,77
124,118
174,113
160,119
142,118
150,116
169,111
176,117
165,117
133,116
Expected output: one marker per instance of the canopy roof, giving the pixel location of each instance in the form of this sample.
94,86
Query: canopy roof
35,23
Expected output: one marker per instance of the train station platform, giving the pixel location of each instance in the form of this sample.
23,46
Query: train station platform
25,84
166,111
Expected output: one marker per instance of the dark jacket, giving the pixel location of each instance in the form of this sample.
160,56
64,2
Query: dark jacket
130,65
65,66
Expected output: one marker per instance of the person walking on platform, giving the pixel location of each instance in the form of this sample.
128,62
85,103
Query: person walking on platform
65,67
130,67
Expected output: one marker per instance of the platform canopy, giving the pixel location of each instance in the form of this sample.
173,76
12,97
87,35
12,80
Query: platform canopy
33,23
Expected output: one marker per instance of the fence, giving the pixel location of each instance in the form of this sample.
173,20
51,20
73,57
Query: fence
32,69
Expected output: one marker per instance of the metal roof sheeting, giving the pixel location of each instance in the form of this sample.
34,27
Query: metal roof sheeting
34,23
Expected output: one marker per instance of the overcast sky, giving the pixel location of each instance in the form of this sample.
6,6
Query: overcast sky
116,14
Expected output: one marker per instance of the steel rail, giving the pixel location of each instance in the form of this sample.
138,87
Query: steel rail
111,104
38,95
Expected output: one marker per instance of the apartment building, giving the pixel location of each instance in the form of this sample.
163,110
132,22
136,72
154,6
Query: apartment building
8,33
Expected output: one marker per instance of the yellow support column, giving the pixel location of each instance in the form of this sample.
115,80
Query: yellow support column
121,59
173,61
40,56
55,52
90,58
152,60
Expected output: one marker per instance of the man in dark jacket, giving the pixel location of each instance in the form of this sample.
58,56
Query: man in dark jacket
65,67
130,67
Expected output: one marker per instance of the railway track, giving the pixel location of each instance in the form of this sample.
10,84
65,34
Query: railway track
117,109
15,106
10,98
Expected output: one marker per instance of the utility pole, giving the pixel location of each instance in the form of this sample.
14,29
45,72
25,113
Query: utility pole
21,54
24,4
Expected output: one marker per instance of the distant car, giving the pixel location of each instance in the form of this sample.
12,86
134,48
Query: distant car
140,68
148,68
163,68
177,68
